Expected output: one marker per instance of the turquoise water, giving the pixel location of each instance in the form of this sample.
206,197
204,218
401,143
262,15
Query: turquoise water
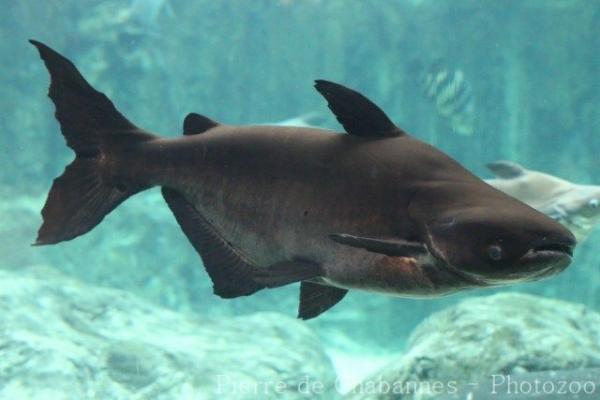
525,76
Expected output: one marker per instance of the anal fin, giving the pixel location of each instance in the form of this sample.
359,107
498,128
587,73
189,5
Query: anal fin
315,299
231,274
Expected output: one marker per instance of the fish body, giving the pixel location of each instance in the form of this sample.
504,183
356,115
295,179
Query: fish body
322,183
575,206
265,206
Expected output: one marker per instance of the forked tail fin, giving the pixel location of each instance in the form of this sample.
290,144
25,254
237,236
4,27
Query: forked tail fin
90,187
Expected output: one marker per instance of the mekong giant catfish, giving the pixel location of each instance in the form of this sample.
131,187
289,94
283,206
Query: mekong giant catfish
265,206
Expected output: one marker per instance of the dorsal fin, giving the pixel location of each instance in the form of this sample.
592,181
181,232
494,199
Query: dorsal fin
506,169
196,123
357,114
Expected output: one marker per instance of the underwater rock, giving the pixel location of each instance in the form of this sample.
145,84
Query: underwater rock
62,339
503,334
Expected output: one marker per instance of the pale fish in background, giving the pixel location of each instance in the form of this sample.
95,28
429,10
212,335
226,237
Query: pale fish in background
575,206
448,89
308,120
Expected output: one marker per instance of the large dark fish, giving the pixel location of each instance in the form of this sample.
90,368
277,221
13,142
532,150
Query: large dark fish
266,206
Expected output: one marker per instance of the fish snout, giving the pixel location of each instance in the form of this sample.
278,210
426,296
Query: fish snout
549,255
563,241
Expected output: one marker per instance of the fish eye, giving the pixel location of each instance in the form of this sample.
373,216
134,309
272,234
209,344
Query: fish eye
593,203
495,252
447,222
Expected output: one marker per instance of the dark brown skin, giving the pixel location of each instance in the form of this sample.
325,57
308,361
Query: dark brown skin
279,178
266,206
319,182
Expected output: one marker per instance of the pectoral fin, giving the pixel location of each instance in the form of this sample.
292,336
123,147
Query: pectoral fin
315,299
388,246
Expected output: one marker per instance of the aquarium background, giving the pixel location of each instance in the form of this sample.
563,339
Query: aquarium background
530,67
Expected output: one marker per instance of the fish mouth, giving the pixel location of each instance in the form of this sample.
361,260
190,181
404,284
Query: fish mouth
540,262
547,258
555,248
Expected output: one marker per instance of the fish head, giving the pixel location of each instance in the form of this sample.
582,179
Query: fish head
578,210
584,202
495,240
